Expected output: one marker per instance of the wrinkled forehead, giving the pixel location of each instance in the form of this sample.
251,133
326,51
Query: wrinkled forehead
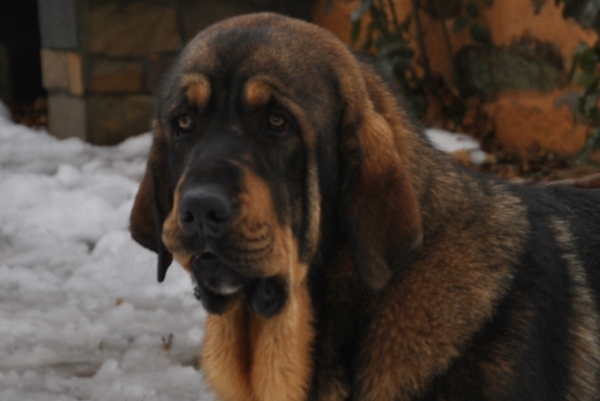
287,51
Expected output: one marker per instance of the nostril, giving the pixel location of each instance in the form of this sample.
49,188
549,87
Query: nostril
186,217
205,209
213,217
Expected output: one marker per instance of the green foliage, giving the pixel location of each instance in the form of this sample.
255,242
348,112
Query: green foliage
478,31
389,38
572,8
585,71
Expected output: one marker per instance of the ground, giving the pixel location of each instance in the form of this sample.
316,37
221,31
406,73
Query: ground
82,316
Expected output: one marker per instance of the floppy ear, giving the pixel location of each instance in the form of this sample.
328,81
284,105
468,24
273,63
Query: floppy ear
380,211
150,208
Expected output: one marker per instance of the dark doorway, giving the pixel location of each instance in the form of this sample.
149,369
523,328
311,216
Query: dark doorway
20,43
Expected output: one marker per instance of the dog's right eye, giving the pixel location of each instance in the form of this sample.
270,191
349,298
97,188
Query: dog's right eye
183,125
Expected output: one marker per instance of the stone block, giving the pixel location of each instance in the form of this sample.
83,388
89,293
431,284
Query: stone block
198,14
113,76
61,70
112,119
129,29
157,67
58,24
67,116
55,71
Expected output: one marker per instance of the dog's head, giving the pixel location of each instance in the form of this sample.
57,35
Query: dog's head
270,135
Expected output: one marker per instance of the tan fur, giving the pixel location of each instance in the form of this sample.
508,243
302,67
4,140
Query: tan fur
251,358
197,89
172,232
257,92
258,221
417,331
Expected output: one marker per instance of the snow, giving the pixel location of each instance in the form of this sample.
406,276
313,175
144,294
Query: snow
82,316
452,142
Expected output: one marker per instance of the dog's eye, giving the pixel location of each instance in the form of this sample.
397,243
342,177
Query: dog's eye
278,123
183,125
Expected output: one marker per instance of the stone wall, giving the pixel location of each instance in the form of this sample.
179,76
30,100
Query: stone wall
102,60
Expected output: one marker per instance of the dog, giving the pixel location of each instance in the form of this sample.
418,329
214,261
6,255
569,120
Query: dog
338,254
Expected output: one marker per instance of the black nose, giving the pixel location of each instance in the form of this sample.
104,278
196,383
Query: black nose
205,211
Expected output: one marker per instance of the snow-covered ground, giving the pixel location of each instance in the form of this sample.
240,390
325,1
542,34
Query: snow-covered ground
81,314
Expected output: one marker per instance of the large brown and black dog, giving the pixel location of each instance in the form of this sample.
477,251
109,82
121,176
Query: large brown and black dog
339,255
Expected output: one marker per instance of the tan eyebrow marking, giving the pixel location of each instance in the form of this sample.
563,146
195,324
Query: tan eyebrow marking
198,89
257,93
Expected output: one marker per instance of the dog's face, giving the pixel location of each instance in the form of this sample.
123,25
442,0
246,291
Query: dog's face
256,141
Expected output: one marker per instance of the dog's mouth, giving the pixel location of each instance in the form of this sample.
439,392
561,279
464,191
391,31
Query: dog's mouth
218,283
216,276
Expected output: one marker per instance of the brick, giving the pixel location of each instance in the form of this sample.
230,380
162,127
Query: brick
75,71
112,119
58,24
55,71
198,14
61,70
66,116
157,67
111,76
125,29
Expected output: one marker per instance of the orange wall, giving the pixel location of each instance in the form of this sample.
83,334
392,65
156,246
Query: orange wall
522,120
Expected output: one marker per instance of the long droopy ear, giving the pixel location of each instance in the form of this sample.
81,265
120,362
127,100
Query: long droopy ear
380,210
151,206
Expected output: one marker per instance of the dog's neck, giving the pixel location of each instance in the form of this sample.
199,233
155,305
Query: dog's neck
253,358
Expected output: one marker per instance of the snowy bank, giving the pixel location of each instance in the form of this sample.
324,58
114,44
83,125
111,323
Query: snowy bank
82,315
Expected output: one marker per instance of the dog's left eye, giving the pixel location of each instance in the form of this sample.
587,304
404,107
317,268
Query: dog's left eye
183,125
278,123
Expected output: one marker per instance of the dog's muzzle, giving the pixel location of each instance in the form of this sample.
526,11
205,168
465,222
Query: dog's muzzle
214,275
218,283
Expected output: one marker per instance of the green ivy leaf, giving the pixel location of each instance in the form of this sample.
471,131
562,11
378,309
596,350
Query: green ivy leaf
589,104
355,31
480,33
460,23
356,19
404,25
472,10
363,7
584,78
596,145
588,60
